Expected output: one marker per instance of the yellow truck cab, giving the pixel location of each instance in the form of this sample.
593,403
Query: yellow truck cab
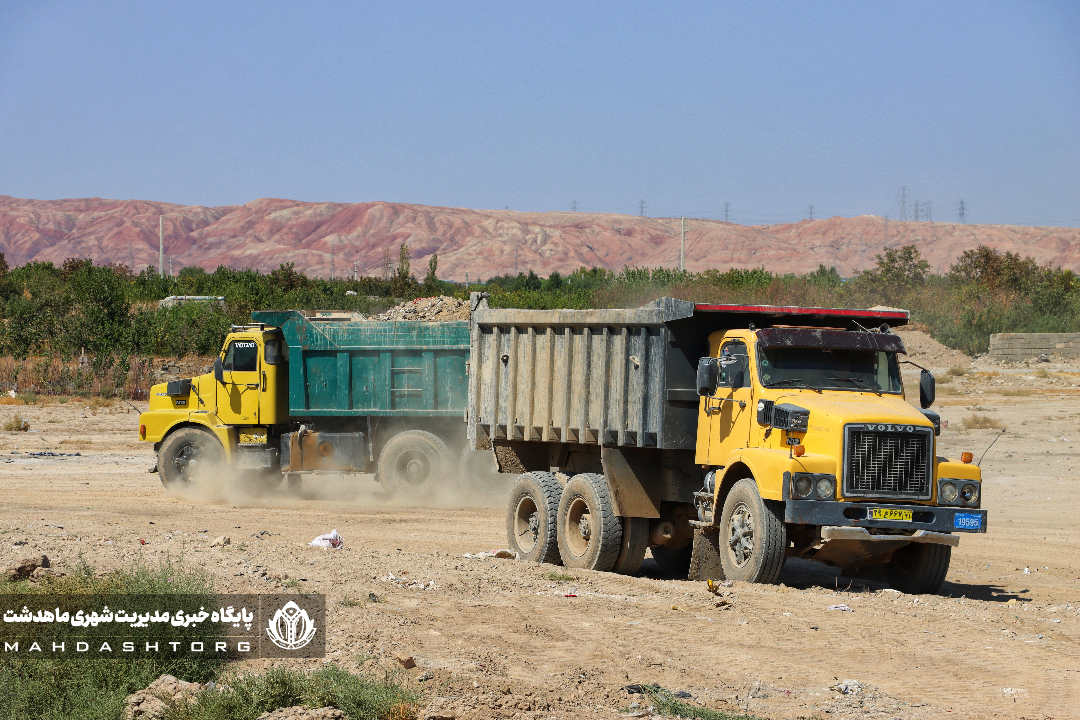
221,417
722,438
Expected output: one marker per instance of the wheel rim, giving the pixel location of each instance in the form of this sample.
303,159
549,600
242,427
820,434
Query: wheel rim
413,468
526,524
577,528
741,534
186,460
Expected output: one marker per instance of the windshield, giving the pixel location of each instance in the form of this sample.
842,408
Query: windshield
835,369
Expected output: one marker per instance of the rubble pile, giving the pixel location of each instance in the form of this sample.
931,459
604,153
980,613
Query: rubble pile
430,309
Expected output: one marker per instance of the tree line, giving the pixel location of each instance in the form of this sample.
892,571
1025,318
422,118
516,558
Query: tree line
107,311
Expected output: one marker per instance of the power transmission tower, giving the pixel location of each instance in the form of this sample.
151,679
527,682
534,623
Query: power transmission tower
161,245
573,206
682,247
961,212
927,212
903,203
727,212
811,212
642,208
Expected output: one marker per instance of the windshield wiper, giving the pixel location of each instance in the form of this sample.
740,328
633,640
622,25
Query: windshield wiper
798,381
859,382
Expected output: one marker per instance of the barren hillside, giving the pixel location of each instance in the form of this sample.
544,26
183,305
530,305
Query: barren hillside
324,237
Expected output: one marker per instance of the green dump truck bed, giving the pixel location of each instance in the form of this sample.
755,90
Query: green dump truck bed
340,365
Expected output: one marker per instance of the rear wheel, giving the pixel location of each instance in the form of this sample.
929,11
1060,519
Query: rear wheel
753,537
635,541
188,455
531,517
590,533
413,461
918,568
479,470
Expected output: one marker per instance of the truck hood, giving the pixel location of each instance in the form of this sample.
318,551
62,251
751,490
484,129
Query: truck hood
842,407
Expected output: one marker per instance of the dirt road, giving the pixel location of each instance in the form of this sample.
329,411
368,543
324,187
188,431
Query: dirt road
503,639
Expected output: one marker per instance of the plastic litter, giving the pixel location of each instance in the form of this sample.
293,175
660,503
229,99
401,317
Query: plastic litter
504,553
841,606
329,540
848,687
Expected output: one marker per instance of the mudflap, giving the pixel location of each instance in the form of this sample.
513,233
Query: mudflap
705,560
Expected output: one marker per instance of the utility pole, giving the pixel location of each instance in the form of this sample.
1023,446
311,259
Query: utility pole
170,266
161,245
682,247
727,213
961,212
355,277
642,208
466,281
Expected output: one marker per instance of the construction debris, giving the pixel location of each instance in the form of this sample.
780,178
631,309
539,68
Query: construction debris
431,309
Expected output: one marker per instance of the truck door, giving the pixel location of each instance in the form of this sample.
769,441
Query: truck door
238,398
731,406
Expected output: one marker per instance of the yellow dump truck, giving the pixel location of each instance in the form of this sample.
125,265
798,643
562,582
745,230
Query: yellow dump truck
725,438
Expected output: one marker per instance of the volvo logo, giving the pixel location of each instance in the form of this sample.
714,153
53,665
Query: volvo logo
891,428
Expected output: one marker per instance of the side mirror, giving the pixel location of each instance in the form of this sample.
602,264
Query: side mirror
708,375
927,389
219,371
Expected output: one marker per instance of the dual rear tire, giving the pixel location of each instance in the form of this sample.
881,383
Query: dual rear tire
575,525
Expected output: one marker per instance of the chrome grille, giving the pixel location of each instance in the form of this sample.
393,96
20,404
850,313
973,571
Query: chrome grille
894,462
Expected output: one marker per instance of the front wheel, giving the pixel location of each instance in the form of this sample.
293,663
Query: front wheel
413,461
918,568
753,537
189,456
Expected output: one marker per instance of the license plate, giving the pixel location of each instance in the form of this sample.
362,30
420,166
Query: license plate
967,521
890,514
253,438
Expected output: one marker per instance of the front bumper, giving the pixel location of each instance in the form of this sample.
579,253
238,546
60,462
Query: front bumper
849,514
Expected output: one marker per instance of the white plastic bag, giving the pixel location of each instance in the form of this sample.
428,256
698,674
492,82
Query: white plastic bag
329,540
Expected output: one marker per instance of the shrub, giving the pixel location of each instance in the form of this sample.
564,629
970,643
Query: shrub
982,422
17,423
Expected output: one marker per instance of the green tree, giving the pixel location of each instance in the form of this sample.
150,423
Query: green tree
431,282
899,268
403,284
987,267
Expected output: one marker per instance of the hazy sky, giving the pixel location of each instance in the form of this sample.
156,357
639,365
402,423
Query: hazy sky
771,107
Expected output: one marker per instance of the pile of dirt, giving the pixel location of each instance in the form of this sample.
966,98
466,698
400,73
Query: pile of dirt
430,309
925,350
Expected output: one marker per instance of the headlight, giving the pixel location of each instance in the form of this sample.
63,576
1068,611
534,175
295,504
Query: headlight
803,486
825,488
948,493
969,494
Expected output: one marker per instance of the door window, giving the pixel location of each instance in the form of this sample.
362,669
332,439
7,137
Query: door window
272,354
735,374
242,356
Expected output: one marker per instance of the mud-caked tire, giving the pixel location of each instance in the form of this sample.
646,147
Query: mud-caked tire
635,541
590,533
918,568
531,516
413,462
753,538
187,454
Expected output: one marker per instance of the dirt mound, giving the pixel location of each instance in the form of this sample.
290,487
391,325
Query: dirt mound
430,309
925,350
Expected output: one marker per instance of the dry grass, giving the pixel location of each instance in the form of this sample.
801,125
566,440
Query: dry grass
1018,392
944,380
981,422
17,423
957,371
948,390
1043,373
988,374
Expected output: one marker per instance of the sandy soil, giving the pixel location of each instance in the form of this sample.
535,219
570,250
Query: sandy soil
502,640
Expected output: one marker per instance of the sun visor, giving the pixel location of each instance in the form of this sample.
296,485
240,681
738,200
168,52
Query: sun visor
769,338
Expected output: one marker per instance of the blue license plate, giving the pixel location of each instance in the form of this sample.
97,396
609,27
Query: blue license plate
967,521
